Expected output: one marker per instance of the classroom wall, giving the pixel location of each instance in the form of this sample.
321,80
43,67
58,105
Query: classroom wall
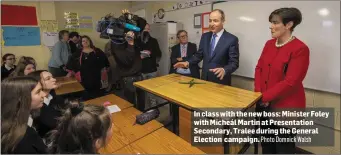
94,9
314,98
150,7
45,11
55,11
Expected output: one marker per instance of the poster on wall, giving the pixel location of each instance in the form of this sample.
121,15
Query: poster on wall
71,21
50,39
49,25
85,24
21,36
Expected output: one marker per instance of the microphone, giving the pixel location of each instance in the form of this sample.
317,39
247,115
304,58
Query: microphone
131,27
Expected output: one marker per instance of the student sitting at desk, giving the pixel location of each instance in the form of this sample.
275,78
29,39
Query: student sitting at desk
181,53
22,96
53,104
83,130
25,66
8,61
280,71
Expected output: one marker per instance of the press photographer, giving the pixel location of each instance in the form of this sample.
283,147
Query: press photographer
124,33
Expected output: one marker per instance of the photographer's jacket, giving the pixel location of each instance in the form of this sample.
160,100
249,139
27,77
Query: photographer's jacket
127,58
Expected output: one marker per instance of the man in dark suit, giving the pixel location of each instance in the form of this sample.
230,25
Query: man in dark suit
218,49
183,52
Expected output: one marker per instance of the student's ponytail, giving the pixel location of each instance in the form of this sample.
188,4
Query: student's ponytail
79,128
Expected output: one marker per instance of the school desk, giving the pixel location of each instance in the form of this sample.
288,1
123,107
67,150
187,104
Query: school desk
125,132
160,141
113,99
199,96
68,88
66,80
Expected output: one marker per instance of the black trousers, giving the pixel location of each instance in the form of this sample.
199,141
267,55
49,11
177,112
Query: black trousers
133,94
275,147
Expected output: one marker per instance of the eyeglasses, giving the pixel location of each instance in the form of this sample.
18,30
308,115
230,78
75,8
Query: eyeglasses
11,59
183,37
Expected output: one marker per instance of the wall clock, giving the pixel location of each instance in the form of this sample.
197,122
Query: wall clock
161,13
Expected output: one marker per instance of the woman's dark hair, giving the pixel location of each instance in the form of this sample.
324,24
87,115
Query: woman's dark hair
79,128
61,33
91,43
15,110
179,32
287,15
4,57
23,62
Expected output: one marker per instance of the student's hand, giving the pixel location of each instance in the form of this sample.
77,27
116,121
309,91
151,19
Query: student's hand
179,59
181,65
220,72
130,37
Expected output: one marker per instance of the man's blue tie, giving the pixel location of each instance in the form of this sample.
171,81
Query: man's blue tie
213,43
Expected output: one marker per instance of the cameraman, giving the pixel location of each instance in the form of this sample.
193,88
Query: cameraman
128,65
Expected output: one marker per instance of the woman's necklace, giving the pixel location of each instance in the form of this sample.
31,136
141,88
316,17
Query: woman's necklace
280,45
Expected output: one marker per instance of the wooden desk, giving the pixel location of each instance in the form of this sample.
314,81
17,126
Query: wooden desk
160,141
115,100
125,133
208,95
66,80
199,96
69,88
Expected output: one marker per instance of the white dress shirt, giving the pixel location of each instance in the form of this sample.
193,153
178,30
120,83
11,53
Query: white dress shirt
219,34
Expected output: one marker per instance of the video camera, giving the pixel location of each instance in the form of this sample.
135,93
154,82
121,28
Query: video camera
116,28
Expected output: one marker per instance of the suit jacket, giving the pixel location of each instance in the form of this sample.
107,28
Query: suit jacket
176,53
226,55
280,72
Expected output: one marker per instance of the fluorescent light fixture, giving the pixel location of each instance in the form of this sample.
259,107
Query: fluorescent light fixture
324,12
246,19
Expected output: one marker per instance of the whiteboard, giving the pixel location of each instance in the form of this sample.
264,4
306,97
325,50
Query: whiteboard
320,30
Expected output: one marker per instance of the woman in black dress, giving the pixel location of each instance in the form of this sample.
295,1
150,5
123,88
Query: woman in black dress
90,68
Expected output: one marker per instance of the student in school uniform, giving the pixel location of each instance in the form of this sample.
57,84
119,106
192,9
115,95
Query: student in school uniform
279,73
83,129
22,96
25,66
53,104
8,61
90,68
181,53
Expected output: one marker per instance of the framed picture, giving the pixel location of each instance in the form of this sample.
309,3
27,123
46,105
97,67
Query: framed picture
197,21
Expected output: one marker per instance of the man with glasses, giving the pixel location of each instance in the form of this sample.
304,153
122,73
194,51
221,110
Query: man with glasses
181,53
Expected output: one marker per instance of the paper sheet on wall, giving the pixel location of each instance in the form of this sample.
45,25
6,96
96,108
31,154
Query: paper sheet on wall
172,28
197,20
21,36
85,24
49,25
206,21
49,39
